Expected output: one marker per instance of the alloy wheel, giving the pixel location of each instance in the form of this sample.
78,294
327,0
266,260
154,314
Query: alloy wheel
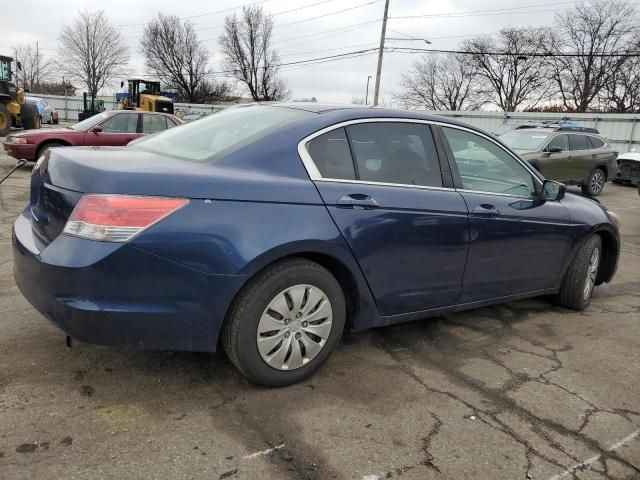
294,327
592,272
597,181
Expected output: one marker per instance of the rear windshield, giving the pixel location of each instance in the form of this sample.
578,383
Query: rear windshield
526,139
217,134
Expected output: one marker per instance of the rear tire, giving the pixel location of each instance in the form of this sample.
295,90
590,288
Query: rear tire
5,120
290,348
595,183
30,117
580,278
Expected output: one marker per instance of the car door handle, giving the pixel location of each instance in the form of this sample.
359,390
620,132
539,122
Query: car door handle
486,210
357,200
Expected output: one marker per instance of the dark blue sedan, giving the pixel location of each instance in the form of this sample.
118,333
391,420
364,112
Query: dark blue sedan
269,229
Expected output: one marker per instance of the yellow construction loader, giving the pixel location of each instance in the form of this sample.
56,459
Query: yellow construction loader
14,110
145,95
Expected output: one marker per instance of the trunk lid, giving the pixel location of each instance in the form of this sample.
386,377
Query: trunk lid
60,178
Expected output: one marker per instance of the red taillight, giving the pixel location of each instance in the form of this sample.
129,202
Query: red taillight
117,218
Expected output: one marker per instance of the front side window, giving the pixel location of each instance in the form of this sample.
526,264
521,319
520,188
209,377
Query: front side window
153,123
331,155
395,152
560,141
121,123
486,167
579,142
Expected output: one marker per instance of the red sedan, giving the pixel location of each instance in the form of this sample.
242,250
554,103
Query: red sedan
115,129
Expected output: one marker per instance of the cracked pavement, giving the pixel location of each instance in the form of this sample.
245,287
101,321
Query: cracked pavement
524,390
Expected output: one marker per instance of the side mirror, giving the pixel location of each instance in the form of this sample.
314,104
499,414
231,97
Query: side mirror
553,191
555,149
96,129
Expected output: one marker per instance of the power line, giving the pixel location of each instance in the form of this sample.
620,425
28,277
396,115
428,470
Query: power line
491,11
200,14
329,14
346,28
626,54
273,14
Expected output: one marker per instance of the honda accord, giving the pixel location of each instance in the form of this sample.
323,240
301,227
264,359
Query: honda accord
266,230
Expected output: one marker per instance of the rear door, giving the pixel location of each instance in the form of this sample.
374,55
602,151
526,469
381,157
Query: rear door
517,243
584,155
117,130
383,186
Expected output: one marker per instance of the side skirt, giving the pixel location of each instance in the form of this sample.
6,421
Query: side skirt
423,314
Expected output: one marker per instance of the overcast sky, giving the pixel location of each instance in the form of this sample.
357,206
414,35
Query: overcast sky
297,34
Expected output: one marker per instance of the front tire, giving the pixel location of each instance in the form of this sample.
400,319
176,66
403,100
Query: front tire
580,278
595,183
285,323
5,120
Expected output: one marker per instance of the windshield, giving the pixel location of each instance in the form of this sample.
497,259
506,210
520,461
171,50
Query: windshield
526,139
89,122
217,134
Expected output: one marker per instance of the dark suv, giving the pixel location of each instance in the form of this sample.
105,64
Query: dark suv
572,156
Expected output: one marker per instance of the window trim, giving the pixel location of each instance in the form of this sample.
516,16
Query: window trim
316,176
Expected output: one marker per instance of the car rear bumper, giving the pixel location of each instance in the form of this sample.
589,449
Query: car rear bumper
24,151
118,294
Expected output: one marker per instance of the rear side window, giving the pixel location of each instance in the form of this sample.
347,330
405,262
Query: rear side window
579,142
596,142
395,152
331,155
153,123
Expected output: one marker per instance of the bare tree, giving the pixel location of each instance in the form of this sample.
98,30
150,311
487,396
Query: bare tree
92,51
515,78
249,56
600,32
34,67
436,82
174,54
621,94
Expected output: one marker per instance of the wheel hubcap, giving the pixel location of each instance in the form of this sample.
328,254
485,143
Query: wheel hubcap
597,180
294,327
592,273
3,121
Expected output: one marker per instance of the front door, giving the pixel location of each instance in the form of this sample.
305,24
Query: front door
517,243
407,232
557,165
117,131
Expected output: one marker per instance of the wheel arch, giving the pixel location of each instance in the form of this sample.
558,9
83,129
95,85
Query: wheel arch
48,142
361,309
610,253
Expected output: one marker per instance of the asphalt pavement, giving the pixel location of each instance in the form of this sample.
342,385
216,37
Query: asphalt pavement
524,390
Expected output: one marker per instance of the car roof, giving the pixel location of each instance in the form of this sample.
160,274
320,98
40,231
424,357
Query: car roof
354,112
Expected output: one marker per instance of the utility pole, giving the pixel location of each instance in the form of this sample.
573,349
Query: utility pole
37,66
376,91
366,97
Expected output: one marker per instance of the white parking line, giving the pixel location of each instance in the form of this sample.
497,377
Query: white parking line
263,452
595,458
